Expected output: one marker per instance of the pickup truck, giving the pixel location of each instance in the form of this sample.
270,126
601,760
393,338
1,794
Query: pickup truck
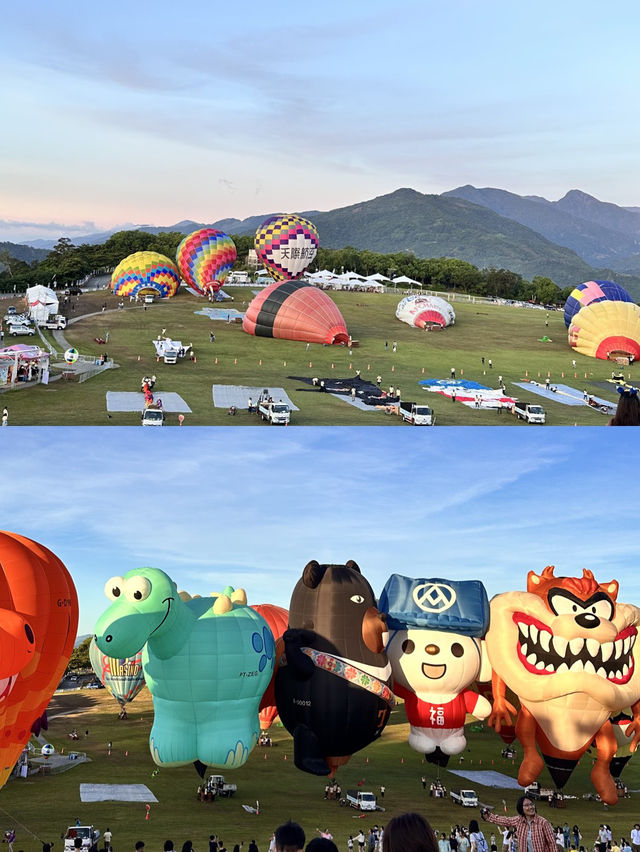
466,798
217,783
152,417
58,321
87,833
529,411
276,413
417,415
361,801
535,791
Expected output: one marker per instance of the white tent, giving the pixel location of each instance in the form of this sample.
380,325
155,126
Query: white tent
403,279
377,276
42,303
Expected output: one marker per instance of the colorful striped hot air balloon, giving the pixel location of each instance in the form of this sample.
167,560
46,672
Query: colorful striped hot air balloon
205,258
293,310
145,272
124,678
590,292
286,245
278,620
607,330
423,311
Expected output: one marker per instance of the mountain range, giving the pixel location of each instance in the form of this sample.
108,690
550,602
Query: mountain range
570,240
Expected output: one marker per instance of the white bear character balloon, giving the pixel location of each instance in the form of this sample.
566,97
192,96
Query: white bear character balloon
436,652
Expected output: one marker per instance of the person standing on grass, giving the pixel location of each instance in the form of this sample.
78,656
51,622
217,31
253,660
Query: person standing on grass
533,832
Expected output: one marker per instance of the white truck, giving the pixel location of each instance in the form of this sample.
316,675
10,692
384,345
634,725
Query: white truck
361,801
417,415
57,322
529,411
276,413
152,417
219,785
466,798
85,833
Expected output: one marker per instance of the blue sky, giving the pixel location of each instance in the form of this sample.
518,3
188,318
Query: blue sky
149,112
250,507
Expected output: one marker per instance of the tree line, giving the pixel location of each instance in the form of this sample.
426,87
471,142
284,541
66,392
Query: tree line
68,263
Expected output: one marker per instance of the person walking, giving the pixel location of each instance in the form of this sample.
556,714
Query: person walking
635,838
107,837
5,416
530,827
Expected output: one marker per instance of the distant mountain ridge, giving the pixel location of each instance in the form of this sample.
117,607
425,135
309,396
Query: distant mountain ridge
570,240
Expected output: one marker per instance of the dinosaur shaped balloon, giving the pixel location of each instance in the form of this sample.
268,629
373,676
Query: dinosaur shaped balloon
207,661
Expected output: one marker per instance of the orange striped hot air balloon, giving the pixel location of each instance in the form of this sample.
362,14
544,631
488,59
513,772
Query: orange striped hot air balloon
293,310
278,620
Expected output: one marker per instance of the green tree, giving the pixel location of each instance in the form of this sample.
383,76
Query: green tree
80,657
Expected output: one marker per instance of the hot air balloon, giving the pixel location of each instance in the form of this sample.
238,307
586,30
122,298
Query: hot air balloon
292,310
436,653
205,258
38,628
145,272
425,311
620,723
207,663
333,686
286,245
565,644
124,678
278,620
607,330
590,292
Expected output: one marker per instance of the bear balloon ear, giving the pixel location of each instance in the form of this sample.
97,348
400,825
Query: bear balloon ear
313,574
354,566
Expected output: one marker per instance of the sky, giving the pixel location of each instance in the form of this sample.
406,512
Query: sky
152,113
250,507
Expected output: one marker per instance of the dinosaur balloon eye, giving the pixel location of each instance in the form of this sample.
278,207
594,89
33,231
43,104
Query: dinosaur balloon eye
137,589
357,599
113,588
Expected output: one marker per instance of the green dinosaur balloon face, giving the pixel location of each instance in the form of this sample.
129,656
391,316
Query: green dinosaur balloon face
144,602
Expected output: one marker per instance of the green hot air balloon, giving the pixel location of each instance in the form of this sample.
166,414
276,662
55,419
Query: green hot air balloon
124,678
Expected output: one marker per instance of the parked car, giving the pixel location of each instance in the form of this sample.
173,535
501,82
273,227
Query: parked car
19,329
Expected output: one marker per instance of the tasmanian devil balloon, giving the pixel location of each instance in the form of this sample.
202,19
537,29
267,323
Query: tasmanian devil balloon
567,649
332,688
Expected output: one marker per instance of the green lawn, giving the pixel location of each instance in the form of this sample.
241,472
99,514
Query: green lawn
509,336
41,807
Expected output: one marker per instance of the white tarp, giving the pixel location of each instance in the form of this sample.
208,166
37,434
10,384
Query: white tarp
116,793
42,303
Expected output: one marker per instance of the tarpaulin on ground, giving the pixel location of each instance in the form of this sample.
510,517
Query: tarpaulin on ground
116,793
568,396
471,394
367,392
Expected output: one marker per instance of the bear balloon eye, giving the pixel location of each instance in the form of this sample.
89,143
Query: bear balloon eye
457,650
357,599
408,646
113,588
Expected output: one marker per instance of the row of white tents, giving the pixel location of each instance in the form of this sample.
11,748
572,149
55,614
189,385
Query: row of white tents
348,280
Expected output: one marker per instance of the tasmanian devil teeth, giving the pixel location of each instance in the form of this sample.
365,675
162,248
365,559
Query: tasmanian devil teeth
618,675
602,672
524,629
524,649
593,646
563,667
560,645
550,668
532,659
618,643
544,639
607,651
589,667
533,632
627,643
577,666
540,665
576,645
625,670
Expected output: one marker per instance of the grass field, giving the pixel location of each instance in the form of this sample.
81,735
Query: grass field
41,807
507,335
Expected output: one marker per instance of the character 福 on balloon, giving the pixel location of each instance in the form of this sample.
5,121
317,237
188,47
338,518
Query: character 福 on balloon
332,685
566,648
436,652
207,661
